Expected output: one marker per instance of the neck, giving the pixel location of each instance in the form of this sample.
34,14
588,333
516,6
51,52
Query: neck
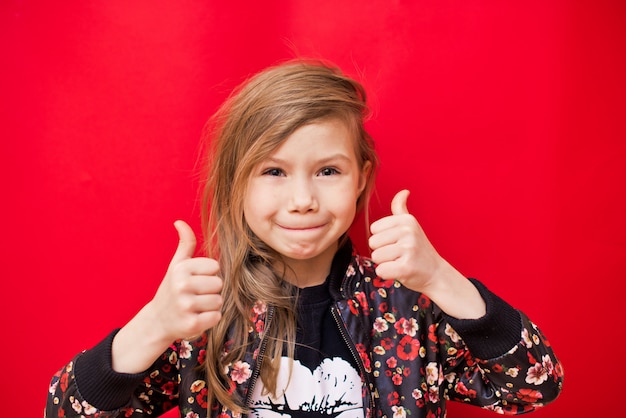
309,272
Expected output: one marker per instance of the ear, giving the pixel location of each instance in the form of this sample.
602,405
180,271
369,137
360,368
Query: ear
364,175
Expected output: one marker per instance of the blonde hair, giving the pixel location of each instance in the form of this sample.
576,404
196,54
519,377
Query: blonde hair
257,117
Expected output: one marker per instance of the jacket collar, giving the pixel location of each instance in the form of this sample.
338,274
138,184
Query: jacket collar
339,269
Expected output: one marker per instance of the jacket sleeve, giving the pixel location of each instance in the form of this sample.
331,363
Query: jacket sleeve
508,365
89,387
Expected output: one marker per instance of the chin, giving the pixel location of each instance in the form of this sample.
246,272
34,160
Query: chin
299,255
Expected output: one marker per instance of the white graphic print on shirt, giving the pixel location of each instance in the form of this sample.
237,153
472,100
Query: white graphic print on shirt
332,390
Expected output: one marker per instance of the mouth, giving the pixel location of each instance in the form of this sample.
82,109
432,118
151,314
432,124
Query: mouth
301,227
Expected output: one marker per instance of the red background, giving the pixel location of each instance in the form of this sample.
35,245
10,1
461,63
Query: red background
505,119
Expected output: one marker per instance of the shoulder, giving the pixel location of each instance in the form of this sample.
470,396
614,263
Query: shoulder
360,274
362,282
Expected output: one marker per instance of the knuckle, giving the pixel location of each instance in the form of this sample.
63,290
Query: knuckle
179,269
219,283
180,285
184,304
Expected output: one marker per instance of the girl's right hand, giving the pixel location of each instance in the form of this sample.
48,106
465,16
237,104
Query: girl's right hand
188,301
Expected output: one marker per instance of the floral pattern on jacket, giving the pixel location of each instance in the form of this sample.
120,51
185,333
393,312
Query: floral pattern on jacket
411,361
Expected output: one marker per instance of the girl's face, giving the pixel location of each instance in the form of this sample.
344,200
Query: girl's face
302,198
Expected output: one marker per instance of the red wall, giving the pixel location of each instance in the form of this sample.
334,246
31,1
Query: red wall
505,119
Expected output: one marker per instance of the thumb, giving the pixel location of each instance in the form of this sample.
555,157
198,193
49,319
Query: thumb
187,242
398,203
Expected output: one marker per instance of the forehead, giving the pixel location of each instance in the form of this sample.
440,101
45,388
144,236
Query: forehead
321,137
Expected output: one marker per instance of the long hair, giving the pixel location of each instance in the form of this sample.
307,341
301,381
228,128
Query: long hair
257,117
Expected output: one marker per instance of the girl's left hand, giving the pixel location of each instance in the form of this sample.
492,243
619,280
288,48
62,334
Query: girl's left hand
402,250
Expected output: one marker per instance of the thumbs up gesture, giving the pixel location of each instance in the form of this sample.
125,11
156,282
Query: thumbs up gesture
401,249
188,301
402,252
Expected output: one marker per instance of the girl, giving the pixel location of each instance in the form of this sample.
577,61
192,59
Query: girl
292,320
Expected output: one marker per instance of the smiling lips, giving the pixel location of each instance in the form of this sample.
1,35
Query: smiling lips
301,228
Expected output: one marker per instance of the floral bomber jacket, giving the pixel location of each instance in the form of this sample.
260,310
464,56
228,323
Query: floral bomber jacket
412,358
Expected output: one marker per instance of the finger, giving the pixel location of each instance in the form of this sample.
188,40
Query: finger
206,303
384,271
186,244
205,285
199,266
195,324
382,236
208,319
386,254
384,224
398,203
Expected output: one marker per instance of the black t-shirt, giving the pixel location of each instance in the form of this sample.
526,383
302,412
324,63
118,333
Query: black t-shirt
324,380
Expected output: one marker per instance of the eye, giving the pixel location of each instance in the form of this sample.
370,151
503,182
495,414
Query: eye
273,172
328,171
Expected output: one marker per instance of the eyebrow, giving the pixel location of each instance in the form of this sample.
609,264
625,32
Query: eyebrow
325,160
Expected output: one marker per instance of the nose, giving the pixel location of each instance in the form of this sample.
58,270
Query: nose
303,197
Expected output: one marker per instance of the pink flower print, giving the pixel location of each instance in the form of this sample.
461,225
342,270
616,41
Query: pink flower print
88,409
450,332
398,412
526,338
547,364
433,394
537,374
240,372
432,373
416,394
350,271
185,349
53,387
76,406
380,325
406,326
259,308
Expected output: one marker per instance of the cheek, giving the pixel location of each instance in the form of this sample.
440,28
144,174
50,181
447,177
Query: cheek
255,206
248,206
351,191
346,205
